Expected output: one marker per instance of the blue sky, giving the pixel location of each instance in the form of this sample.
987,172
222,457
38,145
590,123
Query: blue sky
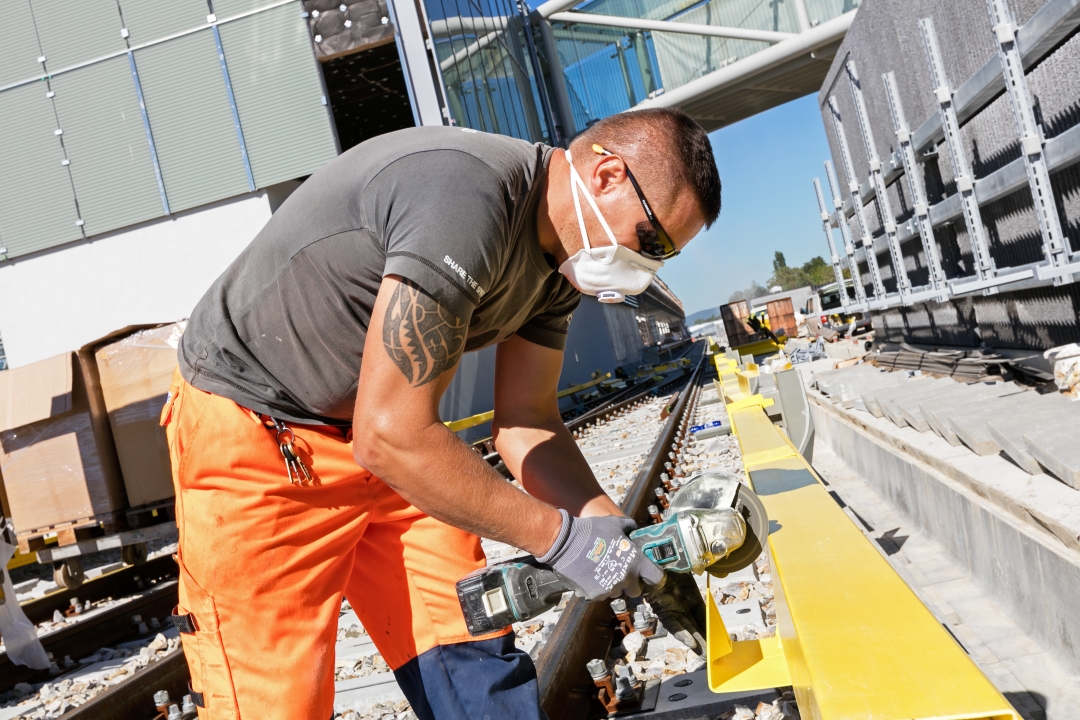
766,165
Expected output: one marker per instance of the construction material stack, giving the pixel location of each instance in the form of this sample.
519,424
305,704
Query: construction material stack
82,453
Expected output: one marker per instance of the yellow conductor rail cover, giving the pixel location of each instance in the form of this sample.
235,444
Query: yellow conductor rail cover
852,638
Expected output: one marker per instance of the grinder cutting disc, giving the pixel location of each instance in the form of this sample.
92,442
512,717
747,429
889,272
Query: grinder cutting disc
718,490
757,530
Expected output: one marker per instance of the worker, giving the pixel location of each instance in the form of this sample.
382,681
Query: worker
308,454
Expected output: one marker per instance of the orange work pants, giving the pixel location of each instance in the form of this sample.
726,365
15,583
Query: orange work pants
264,563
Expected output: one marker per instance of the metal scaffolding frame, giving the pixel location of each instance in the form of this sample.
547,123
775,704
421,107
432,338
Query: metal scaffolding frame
838,271
918,193
849,244
880,298
1018,49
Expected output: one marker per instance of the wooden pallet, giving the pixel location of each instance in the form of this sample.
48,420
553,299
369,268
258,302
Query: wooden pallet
151,514
69,533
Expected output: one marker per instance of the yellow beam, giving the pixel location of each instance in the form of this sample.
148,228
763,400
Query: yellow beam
741,665
20,559
858,643
474,420
582,386
760,347
748,379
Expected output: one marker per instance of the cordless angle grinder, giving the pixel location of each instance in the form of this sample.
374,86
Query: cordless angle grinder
714,524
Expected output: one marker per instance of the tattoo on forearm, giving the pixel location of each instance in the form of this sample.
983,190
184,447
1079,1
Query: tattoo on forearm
423,338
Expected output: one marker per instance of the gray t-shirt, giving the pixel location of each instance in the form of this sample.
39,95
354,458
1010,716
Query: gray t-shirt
282,330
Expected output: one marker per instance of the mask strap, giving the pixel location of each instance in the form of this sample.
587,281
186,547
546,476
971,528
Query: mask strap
575,183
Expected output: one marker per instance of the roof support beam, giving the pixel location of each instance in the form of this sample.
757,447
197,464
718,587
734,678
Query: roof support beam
768,36
759,63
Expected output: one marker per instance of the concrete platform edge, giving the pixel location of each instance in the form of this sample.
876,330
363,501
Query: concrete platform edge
1015,559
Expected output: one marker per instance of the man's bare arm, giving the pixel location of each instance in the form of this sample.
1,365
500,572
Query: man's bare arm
422,338
412,348
531,437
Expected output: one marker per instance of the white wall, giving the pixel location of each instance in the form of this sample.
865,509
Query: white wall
60,299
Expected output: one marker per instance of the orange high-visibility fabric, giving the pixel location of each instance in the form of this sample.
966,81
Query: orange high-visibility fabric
264,564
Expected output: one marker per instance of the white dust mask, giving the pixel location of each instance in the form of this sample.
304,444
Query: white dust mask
611,272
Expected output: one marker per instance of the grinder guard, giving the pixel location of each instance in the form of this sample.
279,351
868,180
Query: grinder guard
716,490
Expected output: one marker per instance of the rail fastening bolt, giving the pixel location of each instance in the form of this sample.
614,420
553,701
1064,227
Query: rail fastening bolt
161,697
188,706
597,669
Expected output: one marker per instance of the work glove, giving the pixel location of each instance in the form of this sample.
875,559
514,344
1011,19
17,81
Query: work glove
597,559
681,609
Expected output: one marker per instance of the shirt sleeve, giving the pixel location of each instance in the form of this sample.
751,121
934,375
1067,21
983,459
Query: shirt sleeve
446,225
549,327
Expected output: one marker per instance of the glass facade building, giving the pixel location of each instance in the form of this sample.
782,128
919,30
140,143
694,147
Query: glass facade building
498,74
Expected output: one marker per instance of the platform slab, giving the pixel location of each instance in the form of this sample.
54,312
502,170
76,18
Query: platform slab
970,426
1057,449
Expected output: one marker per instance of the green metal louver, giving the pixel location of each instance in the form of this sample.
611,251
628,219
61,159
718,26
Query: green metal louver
226,109
191,120
37,208
154,19
106,143
228,8
74,31
278,94
19,49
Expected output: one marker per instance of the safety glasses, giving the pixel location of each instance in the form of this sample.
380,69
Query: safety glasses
656,244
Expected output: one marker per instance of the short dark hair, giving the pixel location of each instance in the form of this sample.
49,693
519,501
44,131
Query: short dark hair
673,133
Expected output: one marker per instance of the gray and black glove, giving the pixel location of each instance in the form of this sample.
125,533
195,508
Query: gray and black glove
598,560
681,609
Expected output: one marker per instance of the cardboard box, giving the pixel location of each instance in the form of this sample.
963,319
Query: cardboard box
3,499
734,316
56,450
135,370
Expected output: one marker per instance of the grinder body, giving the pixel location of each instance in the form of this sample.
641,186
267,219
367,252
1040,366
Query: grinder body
690,539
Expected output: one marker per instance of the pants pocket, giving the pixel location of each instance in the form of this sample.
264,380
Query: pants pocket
211,677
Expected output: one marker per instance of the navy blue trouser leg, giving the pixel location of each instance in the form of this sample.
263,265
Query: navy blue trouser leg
483,680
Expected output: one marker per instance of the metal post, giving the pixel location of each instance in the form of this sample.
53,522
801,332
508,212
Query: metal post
232,105
802,16
986,278
558,83
845,233
538,74
149,134
419,78
825,225
903,283
880,300
1055,249
918,193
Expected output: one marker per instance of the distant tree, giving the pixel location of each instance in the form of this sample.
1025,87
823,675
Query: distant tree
818,272
783,276
813,272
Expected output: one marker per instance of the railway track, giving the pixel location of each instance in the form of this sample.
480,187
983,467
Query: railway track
630,440
586,630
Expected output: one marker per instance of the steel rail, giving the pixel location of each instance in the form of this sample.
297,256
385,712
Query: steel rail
609,403
599,413
123,582
604,410
134,697
585,630
93,633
